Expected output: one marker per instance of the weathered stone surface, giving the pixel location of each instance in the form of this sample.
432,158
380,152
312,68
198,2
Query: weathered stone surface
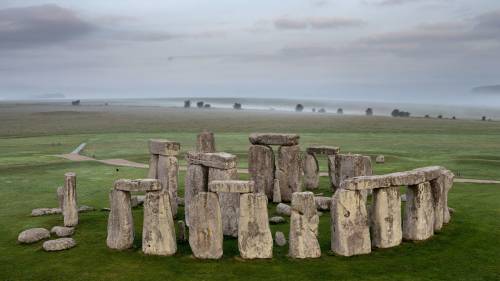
277,220
274,139
350,229
386,218
59,244
323,203
153,166
255,240
304,222
418,223
219,160
289,171
62,231
279,238
120,221
323,150
231,186
182,234
164,147
137,185
205,142
60,196
168,169
229,202
205,227
180,201
70,206
437,188
158,231
33,235
133,201
347,166
276,191
380,159
311,172
283,209
196,181
85,208
45,211
448,184
261,168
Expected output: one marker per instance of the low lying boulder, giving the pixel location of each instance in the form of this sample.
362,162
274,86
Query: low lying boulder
62,231
283,209
45,211
33,235
59,244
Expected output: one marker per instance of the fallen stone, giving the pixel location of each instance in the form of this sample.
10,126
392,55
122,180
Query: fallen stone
261,168
380,159
196,181
164,147
231,186
168,168
276,191
311,172
304,222
346,166
182,234
45,211
283,209
106,209
59,244
205,227
289,171
205,142
274,139
33,235
277,220
323,150
70,206
120,221
386,218
85,208
322,203
138,185
229,202
158,231
418,223
279,238
62,231
219,160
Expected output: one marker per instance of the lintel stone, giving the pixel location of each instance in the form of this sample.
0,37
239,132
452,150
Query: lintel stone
164,147
323,150
137,185
274,139
219,160
231,186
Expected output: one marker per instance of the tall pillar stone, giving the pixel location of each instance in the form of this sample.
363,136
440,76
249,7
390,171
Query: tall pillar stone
205,228
153,166
205,142
437,188
229,202
158,232
448,184
168,168
418,223
276,191
349,224
345,166
289,171
261,168
70,204
120,221
304,221
60,197
311,172
386,217
255,240
196,181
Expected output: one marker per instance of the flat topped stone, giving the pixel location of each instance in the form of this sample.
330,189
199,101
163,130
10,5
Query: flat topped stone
232,186
323,149
164,147
137,185
413,177
218,160
59,244
274,139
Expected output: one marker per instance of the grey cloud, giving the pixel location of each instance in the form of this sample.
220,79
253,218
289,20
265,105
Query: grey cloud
316,23
398,2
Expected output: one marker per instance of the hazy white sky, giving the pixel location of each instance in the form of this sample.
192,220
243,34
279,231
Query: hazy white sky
419,50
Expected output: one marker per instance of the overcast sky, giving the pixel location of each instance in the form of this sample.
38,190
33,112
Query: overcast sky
419,50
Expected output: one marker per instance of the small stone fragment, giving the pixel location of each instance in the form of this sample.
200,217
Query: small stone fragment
277,220
62,231
59,244
322,203
380,159
279,238
33,235
283,209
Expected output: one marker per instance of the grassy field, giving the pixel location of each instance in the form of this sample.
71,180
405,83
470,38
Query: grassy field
30,136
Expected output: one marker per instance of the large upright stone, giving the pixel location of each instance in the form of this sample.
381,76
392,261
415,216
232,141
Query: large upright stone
303,241
168,168
120,221
196,181
153,166
205,228
255,240
289,171
448,184
437,188
418,221
276,191
386,217
70,206
311,172
205,142
229,202
349,223
261,168
60,197
158,231
274,139
345,166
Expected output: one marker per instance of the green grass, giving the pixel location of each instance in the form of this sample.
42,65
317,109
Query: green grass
466,249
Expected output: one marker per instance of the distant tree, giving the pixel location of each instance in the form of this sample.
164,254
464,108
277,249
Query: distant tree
200,104
237,106
314,109
398,113
299,107
322,110
75,103
187,104
395,113
440,116
483,118
454,118
207,105
340,111
369,111
106,104
427,116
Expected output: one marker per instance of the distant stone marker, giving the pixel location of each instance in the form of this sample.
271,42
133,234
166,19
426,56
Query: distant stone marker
205,142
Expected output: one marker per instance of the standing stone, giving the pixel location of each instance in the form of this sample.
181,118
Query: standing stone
311,172
229,202
418,221
289,171
386,217
120,221
205,142
261,168
168,168
349,220
437,188
205,228
284,209
196,181
255,240
276,191
70,206
279,238
448,184
304,227
60,196
153,166
380,159
158,231
346,166
182,231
